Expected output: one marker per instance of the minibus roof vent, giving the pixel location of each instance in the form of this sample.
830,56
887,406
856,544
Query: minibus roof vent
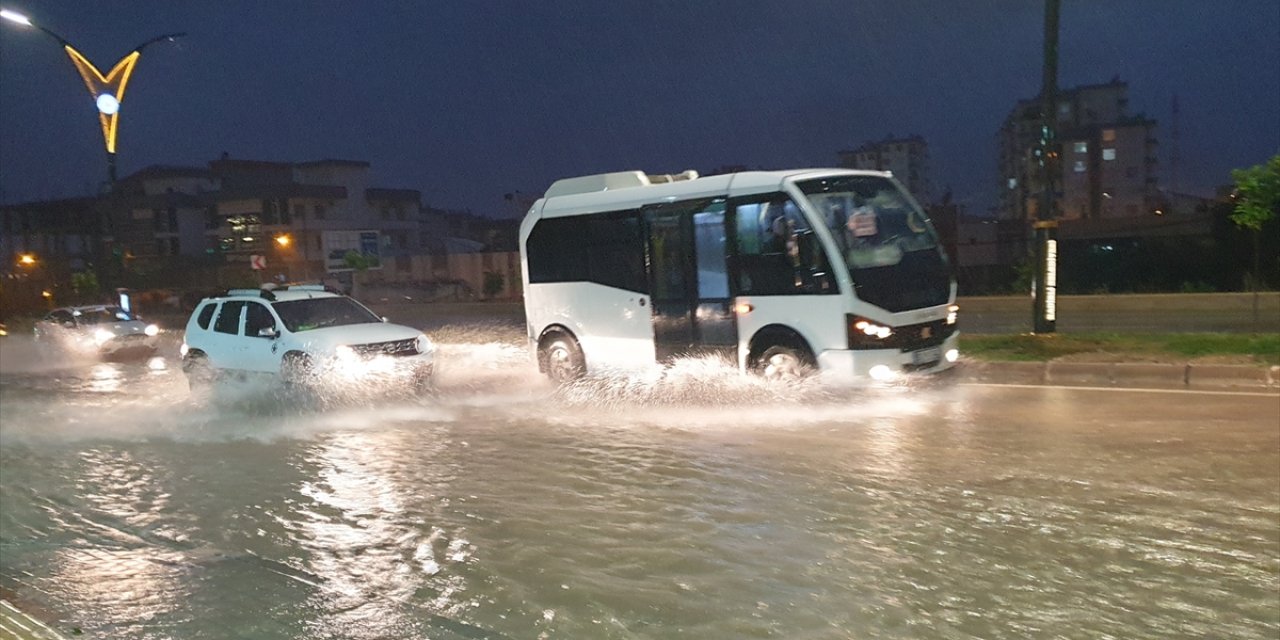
613,182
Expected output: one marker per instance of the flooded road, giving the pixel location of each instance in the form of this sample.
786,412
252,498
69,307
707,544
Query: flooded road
696,504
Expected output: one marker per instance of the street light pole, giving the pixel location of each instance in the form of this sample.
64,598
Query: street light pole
107,90
1045,226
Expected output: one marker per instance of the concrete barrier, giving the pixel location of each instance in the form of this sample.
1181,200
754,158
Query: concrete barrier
1177,312
1210,376
1132,375
15,623
1153,375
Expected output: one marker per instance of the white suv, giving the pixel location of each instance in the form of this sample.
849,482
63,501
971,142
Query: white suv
302,334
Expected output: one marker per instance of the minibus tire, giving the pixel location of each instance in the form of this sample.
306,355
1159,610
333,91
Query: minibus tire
562,357
784,362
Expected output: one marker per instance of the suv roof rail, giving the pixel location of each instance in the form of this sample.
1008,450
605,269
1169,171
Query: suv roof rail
261,293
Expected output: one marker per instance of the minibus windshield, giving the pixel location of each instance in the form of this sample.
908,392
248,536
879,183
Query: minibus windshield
884,239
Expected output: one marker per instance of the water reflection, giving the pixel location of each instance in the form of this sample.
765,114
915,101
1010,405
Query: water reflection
126,567
695,503
105,377
370,539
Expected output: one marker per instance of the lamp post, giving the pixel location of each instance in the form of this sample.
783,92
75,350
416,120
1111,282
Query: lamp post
1045,227
107,90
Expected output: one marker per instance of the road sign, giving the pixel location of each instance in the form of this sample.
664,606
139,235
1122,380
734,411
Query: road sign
258,262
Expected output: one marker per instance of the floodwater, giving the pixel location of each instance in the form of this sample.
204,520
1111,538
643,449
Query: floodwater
695,503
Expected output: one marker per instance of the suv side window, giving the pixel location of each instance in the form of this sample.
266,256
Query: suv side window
206,314
229,318
257,317
63,318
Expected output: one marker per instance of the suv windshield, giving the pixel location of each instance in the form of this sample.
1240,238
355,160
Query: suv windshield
884,239
102,316
313,313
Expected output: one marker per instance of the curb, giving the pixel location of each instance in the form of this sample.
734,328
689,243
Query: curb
1143,375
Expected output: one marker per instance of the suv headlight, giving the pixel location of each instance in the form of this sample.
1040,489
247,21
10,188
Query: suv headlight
423,344
102,335
345,353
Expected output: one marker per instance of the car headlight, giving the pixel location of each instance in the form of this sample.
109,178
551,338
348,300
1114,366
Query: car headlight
345,353
152,330
102,335
184,349
953,312
423,344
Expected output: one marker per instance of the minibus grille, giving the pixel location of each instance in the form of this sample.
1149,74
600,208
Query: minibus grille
913,337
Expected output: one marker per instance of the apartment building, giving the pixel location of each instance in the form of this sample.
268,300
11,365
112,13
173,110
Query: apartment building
907,158
1108,157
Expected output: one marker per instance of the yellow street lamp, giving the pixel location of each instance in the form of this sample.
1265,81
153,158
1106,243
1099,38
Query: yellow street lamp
283,240
27,259
107,90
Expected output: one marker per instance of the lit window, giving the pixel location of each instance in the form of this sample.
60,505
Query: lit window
1108,135
1064,108
1013,183
1079,168
1108,154
1082,147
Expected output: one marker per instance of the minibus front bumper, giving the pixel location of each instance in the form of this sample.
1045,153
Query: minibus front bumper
886,365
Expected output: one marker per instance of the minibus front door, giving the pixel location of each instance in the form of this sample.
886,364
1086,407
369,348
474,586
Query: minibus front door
670,282
688,281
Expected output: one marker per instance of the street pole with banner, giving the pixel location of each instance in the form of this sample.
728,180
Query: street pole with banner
1046,278
1045,287
258,264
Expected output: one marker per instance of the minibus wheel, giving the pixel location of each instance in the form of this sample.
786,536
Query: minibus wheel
562,358
783,362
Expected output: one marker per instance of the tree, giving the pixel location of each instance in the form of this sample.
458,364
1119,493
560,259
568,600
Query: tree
1257,197
493,283
359,263
1257,194
85,284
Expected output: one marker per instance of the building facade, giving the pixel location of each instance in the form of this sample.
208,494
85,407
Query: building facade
1108,157
907,158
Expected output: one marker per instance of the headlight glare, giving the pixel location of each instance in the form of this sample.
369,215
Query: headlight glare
865,334
102,335
423,344
152,330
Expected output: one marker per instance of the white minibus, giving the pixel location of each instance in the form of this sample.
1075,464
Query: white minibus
779,272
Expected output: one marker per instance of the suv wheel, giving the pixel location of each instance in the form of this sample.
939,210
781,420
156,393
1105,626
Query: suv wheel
296,369
200,374
424,380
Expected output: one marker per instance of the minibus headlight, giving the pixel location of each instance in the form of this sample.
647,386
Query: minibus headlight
865,334
953,313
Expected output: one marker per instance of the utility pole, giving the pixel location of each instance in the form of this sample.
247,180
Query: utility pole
1045,225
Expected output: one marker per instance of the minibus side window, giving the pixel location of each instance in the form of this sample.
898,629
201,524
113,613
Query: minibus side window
777,253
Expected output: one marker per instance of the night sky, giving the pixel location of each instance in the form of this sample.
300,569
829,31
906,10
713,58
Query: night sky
466,101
